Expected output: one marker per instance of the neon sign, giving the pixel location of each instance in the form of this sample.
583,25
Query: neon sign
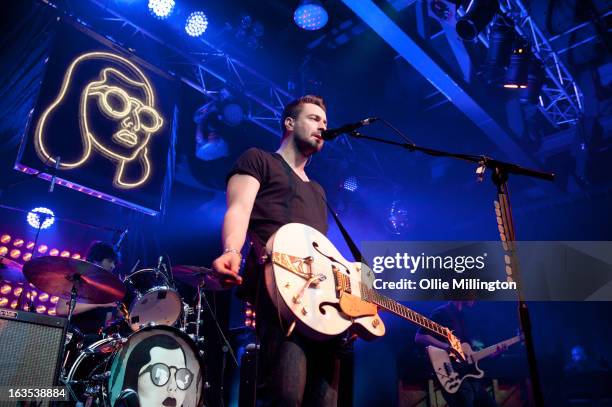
123,99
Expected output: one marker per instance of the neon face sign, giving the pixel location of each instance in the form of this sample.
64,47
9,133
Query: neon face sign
121,98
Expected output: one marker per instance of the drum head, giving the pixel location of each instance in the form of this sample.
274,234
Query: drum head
160,305
162,365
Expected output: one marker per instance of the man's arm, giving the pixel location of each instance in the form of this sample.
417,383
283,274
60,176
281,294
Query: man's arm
429,340
241,192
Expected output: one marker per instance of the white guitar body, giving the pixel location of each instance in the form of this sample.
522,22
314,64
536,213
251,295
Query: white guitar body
318,296
449,373
452,372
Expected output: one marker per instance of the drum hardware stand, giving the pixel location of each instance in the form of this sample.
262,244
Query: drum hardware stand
501,170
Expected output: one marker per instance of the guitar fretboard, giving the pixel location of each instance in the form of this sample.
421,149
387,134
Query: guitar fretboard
395,307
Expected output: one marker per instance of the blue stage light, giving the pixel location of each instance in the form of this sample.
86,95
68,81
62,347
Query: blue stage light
161,8
350,184
196,24
36,215
310,15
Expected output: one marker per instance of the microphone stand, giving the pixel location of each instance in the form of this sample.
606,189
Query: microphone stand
500,173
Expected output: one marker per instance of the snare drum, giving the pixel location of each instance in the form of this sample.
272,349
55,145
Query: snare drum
160,363
155,302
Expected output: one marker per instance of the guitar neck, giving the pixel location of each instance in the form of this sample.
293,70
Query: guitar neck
488,351
395,307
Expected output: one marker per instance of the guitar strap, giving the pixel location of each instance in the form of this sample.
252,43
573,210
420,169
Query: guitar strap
349,241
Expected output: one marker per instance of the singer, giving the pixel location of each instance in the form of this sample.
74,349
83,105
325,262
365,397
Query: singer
265,191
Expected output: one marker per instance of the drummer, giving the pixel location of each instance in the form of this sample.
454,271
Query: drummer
90,319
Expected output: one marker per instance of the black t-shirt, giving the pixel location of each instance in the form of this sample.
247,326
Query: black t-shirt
283,197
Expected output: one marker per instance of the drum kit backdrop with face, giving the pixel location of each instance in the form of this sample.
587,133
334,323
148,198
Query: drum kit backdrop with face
158,362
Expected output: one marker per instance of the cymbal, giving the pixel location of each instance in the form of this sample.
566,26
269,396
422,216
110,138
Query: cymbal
196,276
11,271
56,276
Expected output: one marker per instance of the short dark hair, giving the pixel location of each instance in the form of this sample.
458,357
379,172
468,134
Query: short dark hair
99,251
293,108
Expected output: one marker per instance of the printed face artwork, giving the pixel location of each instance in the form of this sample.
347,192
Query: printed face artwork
117,119
165,380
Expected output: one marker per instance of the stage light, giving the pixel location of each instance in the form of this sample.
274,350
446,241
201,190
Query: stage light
36,214
5,238
196,24
3,301
478,14
53,252
501,39
76,256
397,221
516,75
350,184
43,248
27,257
54,299
14,304
15,253
18,242
43,297
41,309
5,289
310,15
535,80
51,311
17,291
3,250
30,245
65,253
161,9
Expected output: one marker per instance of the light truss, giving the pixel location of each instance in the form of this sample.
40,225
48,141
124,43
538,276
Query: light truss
201,66
561,100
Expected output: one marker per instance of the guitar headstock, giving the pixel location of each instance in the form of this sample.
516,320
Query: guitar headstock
455,344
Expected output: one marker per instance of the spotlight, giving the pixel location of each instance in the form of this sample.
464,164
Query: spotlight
516,75
76,256
43,248
397,220
65,253
196,24
27,257
5,238
478,14
18,242
5,289
37,214
3,250
161,9
500,43
3,302
535,80
350,184
15,253
310,15
54,252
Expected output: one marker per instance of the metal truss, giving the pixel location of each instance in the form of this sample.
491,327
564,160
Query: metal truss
199,64
561,100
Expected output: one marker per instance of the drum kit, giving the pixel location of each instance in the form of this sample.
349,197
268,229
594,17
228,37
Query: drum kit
157,355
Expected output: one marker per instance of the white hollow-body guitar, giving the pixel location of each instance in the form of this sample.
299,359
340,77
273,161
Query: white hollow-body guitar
451,372
322,294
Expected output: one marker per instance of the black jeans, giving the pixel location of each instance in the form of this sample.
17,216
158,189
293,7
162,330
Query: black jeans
294,370
472,393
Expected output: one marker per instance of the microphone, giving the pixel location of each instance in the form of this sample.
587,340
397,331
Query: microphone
331,134
117,245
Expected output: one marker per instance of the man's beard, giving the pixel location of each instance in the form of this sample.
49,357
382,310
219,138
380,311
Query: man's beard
308,146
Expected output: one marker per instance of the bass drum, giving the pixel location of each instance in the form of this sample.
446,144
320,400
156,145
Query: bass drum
160,363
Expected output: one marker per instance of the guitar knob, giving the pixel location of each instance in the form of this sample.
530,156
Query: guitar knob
375,322
304,311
